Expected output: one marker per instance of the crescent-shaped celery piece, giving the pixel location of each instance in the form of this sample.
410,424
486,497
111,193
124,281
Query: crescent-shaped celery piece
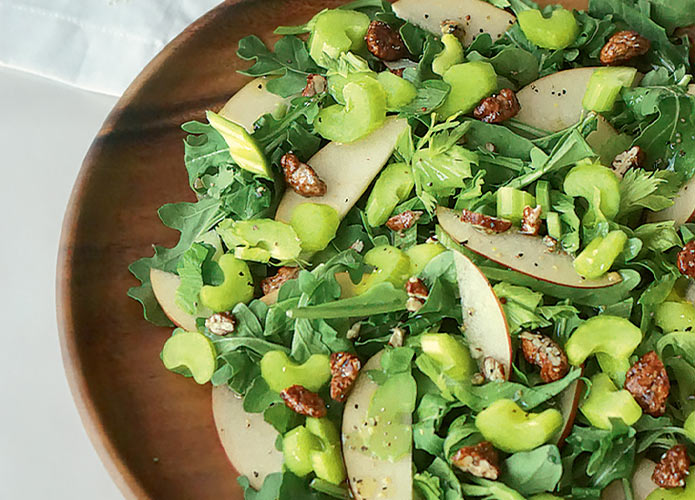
347,169
368,476
474,16
528,255
247,439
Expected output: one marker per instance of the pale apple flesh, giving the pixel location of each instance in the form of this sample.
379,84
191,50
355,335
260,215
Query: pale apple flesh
484,322
642,484
251,102
347,169
369,477
474,16
528,255
247,439
164,286
683,208
568,405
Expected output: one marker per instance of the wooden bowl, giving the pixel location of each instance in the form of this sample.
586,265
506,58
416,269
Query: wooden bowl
153,429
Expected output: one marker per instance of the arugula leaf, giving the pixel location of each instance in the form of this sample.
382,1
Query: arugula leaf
378,299
428,418
460,433
667,135
190,269
192,220
430,95
289,58
672,14
204,149
491,490
534,471
427,485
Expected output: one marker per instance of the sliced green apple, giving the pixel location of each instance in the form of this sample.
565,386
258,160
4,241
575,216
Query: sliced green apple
683,208
474,16
484,322
247,439
642,484
526,254
368,476
347,169
251,102
164,286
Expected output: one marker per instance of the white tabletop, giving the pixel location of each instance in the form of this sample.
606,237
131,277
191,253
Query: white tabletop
45,130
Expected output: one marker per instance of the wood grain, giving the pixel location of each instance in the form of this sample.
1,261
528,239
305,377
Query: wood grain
153,429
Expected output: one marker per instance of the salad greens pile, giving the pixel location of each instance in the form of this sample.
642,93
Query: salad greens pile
350,287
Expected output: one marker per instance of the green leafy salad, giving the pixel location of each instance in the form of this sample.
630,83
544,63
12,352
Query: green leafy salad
443,250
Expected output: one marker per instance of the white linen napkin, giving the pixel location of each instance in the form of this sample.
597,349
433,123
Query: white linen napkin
98,45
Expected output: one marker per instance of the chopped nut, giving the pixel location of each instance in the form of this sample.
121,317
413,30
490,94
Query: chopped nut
672,470
301,400
397,337
274,282
498,107
357,246
404,220
385,42
432,239
686,260
623,46
315,84
545,353
531,221
632,158
490,147
451,27
480,460
551,243
221,323
354,331
648,383
487,222
301,177
493,370
478,379
417,294
345,368
413,305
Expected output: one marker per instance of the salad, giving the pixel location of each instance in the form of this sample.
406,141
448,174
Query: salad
442,250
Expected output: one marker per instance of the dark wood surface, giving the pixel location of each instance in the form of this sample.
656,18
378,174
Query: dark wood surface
153,429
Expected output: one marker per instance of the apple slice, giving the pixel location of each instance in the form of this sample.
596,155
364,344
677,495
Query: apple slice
642,484
554,102
369,477
485,325
528,255
247,439
251,102
683,208
474,16
568,405
164,286
347,169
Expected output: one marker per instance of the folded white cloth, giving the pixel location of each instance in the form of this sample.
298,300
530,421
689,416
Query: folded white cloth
99,45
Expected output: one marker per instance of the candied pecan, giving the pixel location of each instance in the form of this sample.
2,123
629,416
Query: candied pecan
385,42
531,221
315,84
451,27
274,282
221,323
301,400
493,370
301,177
344,370
673,468
480,460
686,259
632,158
623,46
492,224
404,220
397,71
550,243
544,352
648,383
498,107
417,294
